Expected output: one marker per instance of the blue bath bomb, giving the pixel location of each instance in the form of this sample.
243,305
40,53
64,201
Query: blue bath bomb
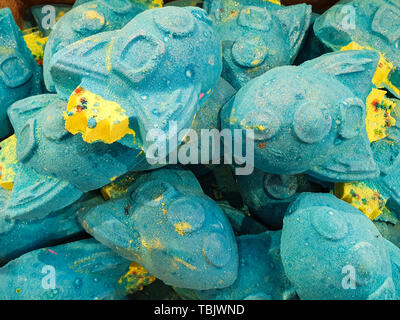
85,20
374,25
20,76
330,250
206,122
257,36
18,237
165,222
49,152
137,81
82,270
269,195
309,118
261,275
242,222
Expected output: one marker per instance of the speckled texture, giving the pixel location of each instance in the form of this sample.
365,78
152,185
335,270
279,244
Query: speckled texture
260,277
109,66
322,235
18,237
165,222
257,36
20,76
84,270
377,26
310,118
46,147
85,20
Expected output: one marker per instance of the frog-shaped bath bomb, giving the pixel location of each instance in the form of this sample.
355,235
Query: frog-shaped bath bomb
330,250
88,19
20,76
373,25
137,84
261,275
309,118
80,270
165,222
257,36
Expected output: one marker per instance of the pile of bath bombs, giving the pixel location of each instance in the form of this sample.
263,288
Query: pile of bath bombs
87,106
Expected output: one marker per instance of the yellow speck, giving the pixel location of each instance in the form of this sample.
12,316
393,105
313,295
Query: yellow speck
182,227
108,55
187,265
152,244
94,15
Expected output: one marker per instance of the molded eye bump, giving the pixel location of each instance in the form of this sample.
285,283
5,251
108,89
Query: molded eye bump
387,22
264,123
153,192
93,22
174,21
312,122
217,250
186,214
280,186
27,141
352,118
255,18
249,52
328,222
14,71
140,55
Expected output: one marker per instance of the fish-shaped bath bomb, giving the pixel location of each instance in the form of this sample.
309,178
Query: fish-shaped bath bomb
373,25
20,76
164,222
257,36
18,237
53,167
85,20
330,250
309,118
80,270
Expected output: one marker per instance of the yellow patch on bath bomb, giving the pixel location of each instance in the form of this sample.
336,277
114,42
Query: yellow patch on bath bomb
35,42
96,118
378,118
8,161
136,278
182,227
274,1
361,196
